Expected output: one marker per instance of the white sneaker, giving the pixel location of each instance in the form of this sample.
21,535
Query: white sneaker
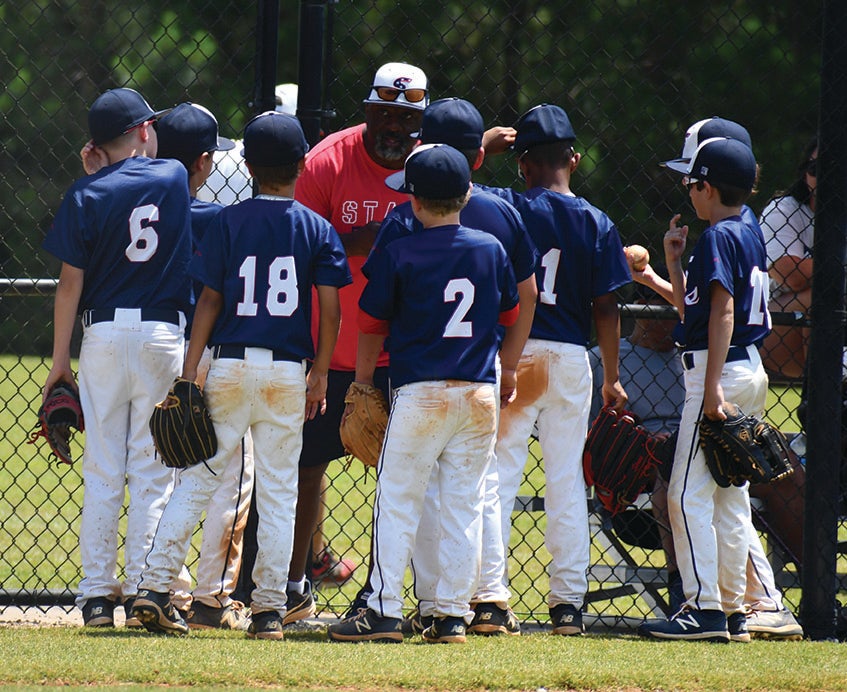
773,624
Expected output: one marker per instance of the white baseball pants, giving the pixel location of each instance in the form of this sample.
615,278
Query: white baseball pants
441,432
554,389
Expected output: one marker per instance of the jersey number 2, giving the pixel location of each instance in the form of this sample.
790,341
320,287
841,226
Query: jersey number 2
283,296
457,326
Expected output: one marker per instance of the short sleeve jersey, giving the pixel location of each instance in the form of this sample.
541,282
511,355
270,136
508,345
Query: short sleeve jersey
343,184
484,212
128,228
581,258
442,292
202,214
789,229
731,253
264,255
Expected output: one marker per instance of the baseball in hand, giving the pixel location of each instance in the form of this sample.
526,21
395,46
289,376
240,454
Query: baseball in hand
637,257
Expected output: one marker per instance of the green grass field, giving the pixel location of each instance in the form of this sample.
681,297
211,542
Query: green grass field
74,657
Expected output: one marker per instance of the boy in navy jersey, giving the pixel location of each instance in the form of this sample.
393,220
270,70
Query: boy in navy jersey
722,301
439,296
123,236
189,133
258,263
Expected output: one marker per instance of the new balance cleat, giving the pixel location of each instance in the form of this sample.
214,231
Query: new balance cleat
415,623
736,625
299,606
567,620
205,617
131,622
491,619
773,624
98,612
700,625
446,630
366,626
265,625
155,611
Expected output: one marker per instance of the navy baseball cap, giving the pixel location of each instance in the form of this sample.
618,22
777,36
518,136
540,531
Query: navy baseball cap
452,121
399,84
543,124
700,132
433,171
116,112
274,139
188,131
723,160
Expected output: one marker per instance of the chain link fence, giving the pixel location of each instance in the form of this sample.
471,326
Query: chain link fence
632,76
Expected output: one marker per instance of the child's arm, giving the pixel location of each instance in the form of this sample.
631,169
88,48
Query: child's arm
517,334
674,243
316,379
209,306
648,277
721,322
608,325
68,292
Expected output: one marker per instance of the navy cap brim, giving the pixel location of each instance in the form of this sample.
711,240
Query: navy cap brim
224,144
679,165
397,181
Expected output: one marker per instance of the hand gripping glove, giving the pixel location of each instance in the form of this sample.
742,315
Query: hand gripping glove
182,428
60,412
364,422
743,448
620,459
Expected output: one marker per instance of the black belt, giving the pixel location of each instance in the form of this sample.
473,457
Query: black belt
237,351
90,317
735,353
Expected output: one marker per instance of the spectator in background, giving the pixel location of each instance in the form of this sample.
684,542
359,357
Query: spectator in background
788,223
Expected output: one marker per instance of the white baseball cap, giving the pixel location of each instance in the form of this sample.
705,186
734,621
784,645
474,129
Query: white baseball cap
702,130
399,84
286,98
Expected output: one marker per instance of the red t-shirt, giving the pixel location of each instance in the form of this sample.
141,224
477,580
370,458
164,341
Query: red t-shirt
342,183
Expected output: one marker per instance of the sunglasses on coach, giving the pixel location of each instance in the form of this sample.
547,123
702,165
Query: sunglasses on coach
391,94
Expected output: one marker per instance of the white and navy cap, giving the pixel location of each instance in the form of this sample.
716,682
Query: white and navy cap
116,112
286,98
188,131
399,84
433,171
723,160
701,131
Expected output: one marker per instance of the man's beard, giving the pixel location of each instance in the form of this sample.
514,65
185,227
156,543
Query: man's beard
390,152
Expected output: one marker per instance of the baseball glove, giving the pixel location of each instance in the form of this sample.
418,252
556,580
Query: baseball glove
743,448
182,428
59,412
364,422
620,459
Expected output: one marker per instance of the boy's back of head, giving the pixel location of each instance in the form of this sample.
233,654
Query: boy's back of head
455,122
116,112
543,124
188,131
274,146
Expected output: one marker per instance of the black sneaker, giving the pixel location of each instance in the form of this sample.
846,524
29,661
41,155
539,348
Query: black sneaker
736,625
491,619
155,611
359,603
367,626
567,620
205,617
688,623
415,623
265,625
299,606
446,630
131,622
98,612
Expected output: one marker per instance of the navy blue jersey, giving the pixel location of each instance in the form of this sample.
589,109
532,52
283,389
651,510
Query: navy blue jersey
264,255
732,252
442,291
581,257
484,212
202,214
128,228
